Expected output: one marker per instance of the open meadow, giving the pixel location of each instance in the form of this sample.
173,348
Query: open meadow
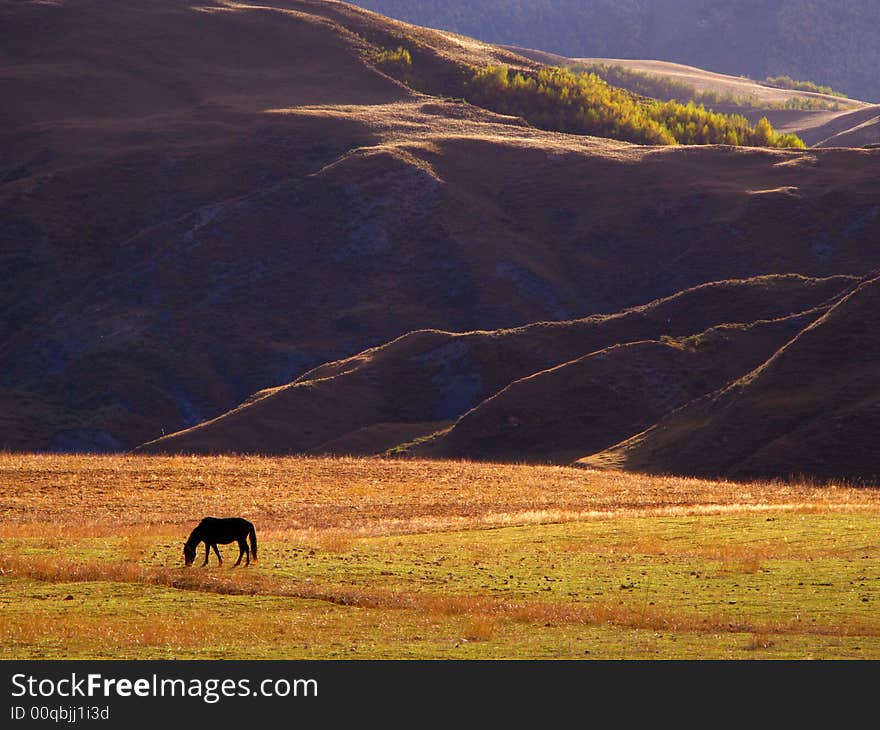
374,558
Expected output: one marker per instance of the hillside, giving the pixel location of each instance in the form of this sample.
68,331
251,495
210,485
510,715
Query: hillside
202,203
833,44
818,119
812,408
130,186
591,403
866,134
423,382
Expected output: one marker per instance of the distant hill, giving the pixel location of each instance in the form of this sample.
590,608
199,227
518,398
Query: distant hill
833,44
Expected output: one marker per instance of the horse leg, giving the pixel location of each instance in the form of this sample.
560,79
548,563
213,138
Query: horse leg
241,548
219,559
207,553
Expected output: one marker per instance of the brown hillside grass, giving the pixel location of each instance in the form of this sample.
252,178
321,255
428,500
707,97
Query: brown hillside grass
386,398
811,407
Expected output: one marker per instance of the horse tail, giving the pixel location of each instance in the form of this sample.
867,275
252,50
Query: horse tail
252,533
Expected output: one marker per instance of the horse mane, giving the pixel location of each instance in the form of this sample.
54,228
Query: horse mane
194,537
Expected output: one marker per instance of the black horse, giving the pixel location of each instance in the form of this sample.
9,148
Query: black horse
213,531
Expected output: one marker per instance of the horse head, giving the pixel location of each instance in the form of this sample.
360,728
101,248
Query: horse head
189,554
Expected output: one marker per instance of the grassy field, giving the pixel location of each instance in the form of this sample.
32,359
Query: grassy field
369,558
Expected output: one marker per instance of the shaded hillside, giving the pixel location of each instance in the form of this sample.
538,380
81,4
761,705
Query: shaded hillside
130,134
813,408
414,385
833,44
591,403
200,202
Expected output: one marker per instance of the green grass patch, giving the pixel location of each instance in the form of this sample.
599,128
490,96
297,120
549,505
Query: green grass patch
778,585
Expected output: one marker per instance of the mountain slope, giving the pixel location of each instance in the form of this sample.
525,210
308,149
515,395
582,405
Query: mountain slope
592,403
865,134
425,380
813,408
201,202
133,131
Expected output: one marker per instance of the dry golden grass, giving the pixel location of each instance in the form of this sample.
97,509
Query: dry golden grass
55,506
178,631
759,641
188,630
481,628
335,542
140,496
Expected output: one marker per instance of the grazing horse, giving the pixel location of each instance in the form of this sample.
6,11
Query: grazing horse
213,530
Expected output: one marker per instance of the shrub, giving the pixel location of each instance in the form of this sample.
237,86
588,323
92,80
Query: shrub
786,82
398,58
